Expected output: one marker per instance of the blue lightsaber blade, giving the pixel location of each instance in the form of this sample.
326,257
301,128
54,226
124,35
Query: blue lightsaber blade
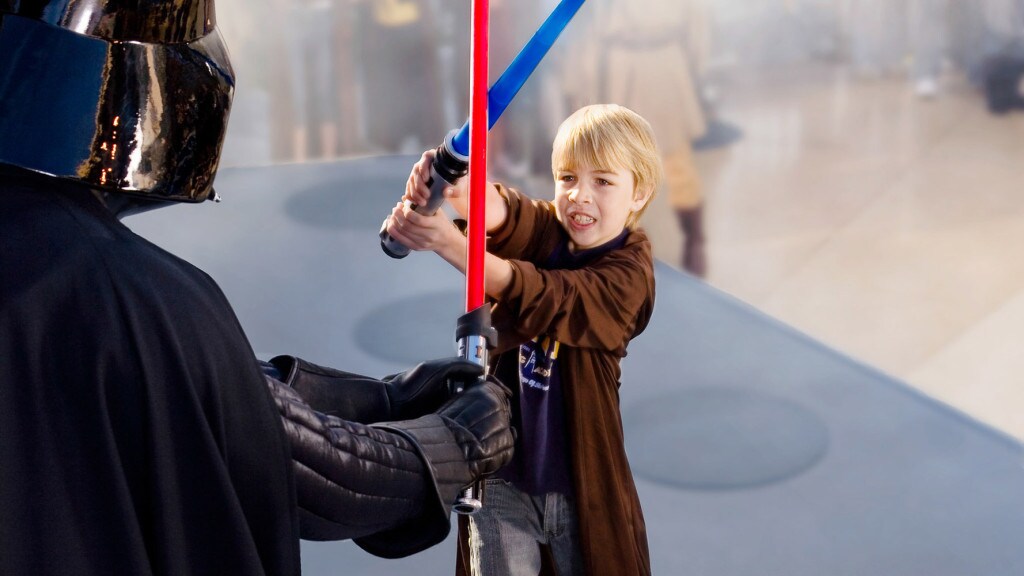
452,160
512,79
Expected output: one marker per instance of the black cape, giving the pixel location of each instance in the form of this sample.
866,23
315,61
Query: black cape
136,432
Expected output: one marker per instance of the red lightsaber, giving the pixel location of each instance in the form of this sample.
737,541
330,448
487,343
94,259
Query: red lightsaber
474,327
477,157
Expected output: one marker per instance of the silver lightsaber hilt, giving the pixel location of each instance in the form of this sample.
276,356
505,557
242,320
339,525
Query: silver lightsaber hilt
447,168
475,336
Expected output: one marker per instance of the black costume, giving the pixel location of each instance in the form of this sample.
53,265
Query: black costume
138,433
147,382
161,451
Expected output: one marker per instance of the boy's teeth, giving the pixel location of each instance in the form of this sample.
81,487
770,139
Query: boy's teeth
581,219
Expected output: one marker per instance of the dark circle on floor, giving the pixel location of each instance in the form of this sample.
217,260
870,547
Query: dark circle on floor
413,329
359,202
722,439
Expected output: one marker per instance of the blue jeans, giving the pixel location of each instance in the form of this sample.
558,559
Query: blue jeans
506,534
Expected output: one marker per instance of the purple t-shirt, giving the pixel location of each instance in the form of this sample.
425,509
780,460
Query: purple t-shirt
541,461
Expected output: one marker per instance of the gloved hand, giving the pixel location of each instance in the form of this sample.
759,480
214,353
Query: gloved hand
423,389
480,418
467,439
363,399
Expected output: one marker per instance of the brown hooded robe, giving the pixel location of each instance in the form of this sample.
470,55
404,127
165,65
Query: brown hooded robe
594,312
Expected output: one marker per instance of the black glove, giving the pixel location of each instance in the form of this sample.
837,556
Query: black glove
469,438
481,419
429,385
363,399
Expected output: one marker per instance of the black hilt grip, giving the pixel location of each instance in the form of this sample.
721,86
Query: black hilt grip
447,168
475,336
477,323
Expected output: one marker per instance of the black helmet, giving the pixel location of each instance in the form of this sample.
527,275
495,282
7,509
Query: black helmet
124,96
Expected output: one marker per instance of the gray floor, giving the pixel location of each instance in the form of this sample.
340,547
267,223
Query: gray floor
756,449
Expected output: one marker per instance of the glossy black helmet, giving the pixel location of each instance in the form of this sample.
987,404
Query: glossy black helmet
124,96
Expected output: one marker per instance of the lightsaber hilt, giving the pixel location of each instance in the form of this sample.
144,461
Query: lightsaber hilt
446,169
456,143
475,337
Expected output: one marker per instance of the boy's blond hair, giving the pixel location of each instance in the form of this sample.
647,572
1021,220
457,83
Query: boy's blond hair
610,136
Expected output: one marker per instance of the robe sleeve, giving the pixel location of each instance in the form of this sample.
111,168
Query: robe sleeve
596,306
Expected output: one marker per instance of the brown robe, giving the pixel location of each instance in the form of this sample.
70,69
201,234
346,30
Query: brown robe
594,312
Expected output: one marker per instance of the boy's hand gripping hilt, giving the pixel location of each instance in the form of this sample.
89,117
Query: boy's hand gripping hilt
446,169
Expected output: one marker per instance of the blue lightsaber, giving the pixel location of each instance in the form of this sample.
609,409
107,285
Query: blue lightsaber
452,159
512,79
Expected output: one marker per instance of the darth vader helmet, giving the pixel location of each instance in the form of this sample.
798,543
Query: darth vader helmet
123,96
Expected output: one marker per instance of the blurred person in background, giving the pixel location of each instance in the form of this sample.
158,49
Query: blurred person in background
929,20
311,49
976,33
983,30
645,51
453,47
401,75
511,143
877,36
348,74
1002,71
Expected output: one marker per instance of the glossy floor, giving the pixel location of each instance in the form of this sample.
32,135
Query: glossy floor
755,449
886,225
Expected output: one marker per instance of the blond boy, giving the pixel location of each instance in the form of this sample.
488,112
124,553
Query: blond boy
572,282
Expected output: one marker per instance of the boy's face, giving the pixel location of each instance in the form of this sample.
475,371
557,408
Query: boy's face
594,203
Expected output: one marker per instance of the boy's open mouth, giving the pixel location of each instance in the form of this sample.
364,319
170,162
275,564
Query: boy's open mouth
580,220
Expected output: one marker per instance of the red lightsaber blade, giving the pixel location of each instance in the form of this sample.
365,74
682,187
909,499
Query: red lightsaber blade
477,157
473,345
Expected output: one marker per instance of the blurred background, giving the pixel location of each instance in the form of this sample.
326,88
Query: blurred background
854,168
